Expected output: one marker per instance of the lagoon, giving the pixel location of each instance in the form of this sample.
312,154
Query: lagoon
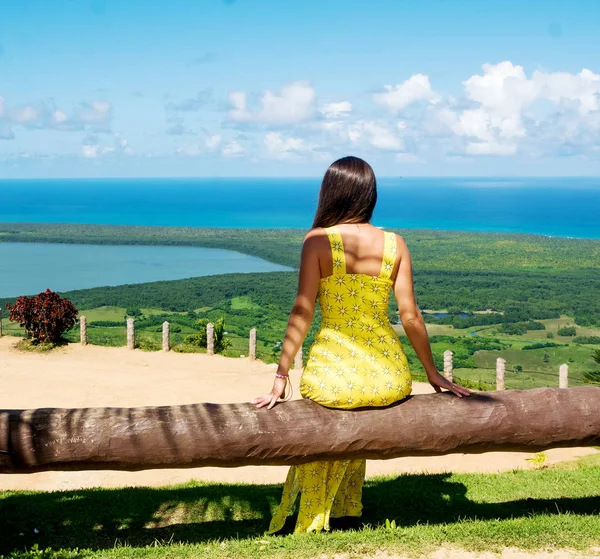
29,268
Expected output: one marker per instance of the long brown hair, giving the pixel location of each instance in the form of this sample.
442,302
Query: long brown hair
348,193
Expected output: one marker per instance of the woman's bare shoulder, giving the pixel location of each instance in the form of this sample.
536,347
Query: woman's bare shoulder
401,243
316,237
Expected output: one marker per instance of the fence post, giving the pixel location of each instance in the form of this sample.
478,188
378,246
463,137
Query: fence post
210,338
298,362
563,376
0,323
83,330
448,364
500,371
131,333
166,336
252,347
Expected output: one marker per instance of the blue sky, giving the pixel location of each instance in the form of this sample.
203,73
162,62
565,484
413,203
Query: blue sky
283,87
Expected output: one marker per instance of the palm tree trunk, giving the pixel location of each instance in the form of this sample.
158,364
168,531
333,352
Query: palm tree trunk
295,432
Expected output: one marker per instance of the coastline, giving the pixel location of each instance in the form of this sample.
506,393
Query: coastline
282,245
47,230
444,254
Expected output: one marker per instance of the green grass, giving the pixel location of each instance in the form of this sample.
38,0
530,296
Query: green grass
551,508
536,372
513,381
577,357
552,325
104,313
42,347
240,346
242,303
591,460
11,328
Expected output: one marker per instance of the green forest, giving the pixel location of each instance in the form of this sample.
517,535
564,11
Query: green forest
430,249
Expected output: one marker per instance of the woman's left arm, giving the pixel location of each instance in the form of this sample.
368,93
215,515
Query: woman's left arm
300,317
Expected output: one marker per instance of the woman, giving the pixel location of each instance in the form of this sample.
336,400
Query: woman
357,359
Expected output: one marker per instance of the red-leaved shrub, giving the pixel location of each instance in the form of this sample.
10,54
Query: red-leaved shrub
45,317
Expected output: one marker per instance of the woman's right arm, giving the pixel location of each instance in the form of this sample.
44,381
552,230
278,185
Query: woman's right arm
414,325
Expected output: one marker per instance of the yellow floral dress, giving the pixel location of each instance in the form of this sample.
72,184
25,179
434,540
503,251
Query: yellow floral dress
356,360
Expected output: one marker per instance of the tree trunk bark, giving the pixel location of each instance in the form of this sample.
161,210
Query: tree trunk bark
295,432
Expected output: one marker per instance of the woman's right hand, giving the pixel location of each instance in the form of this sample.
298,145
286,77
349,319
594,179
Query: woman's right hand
271,398
439,381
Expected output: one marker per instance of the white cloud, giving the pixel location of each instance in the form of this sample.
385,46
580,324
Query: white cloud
337,110
94,152
398,97
26,115
500,95
287,148
475,122
92,148
233,149
122,145
503,88
381,137
490,148
562,87
210,144
366,133
59,117
6,132
213,142
192,150
295,103
503,110
407,158
93,113
511,112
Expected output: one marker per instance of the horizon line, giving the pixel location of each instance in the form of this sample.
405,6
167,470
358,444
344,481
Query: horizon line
302,177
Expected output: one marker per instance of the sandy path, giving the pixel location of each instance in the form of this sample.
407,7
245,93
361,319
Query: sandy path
77,376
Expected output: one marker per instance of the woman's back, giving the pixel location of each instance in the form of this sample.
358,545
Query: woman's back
357,359
363,249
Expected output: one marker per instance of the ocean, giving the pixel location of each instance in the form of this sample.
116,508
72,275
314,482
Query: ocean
567,207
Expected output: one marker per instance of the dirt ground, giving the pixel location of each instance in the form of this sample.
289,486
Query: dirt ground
76,376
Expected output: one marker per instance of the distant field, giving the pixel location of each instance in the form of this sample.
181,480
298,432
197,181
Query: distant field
243,302
513,381
577,357
116,313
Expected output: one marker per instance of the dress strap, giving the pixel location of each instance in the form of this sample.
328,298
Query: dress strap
389,255
337,251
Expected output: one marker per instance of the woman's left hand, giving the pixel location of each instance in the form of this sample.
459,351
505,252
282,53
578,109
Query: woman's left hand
271,398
